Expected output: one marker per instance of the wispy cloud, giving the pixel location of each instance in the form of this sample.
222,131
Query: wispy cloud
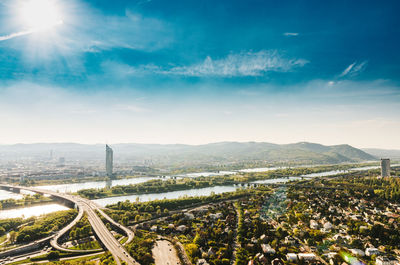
233,65
241,64
291,34
354,69
16,34
29,31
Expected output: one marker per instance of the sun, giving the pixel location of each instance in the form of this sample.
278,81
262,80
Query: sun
40,14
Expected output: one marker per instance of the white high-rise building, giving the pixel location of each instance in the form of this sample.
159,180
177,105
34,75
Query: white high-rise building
385,167
109,161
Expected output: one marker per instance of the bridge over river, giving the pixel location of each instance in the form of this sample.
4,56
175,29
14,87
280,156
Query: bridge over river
86,206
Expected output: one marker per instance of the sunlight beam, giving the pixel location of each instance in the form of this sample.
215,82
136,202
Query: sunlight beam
39,15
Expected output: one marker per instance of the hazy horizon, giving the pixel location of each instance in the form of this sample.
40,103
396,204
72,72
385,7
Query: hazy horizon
190,144
199,72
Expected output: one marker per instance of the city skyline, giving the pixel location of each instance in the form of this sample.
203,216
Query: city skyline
200,72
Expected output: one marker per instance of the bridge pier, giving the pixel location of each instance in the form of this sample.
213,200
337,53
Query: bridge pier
65,202
85,206
11,189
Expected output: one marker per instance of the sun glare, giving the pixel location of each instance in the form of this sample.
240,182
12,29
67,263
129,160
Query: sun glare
40,14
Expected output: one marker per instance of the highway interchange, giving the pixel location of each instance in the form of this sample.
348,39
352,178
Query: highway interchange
103,234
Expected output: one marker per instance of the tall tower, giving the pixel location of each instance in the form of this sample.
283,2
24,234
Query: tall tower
109,161
385,167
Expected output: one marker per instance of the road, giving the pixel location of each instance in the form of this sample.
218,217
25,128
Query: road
86,206
235,245
8,239
164,253
59,234
104,235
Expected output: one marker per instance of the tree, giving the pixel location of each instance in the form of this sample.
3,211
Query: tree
72,234
125,220
197,239
86,230
13,236
147,259
192,250
53,255
137,218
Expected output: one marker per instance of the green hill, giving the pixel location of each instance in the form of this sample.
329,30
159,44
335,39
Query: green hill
178,154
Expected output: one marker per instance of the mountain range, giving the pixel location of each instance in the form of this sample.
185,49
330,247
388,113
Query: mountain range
221,152
383,153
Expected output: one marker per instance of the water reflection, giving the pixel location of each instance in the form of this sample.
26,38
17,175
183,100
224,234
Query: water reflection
167,195
108,183
278,180
9,195
325,174
207,174
27,212
74,187
260,169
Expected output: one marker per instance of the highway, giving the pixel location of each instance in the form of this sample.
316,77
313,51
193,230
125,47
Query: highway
104,235
86,206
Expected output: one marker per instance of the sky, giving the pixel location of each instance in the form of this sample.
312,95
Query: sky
195,72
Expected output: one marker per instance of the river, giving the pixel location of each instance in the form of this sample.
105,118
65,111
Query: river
337,172
30,211
43,209
181,193
167,195
74,187
4,195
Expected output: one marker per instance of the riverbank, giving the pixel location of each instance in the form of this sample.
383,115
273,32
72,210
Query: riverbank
31,211
72,180
157,186
252,167
27,200
36,203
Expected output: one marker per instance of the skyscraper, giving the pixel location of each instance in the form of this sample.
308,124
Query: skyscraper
109,161
385,167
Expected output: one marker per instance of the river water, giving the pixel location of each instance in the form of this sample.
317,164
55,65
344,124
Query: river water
43,209
30,211
38,210
337,172
167,195
74,187
4,195
182,193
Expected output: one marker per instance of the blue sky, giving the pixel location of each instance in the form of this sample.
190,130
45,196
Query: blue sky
195,72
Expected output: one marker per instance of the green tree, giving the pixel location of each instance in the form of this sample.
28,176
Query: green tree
13,236
53,255
192,250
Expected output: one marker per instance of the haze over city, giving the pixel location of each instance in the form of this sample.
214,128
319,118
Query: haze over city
196,72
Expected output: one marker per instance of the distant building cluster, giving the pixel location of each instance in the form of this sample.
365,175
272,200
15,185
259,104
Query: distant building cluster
33,167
